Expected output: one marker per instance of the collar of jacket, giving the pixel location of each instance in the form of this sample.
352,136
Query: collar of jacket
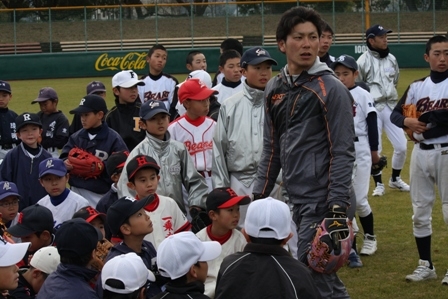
254,95
77,271
317,68
102,134
136,103
378,53
157,143
192,287
266,249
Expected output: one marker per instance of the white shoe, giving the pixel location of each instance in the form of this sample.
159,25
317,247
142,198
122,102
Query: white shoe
399,184
423,272
369,246
379,190
445,279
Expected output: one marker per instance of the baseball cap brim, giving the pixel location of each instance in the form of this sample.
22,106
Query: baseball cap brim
260,60
81,110
131,83
202,95
20,230
10,193
212,250
97,90
40,100
153,112
146,165
140,204
14,253
56,172
5,90
241,200
29,123
336,63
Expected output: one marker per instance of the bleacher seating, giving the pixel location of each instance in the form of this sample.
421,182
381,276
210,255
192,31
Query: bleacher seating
23,48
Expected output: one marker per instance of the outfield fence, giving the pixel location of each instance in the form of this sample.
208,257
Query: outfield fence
197,25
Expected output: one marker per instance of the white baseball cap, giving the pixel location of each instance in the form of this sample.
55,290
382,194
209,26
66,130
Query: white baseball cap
125,274
177,253
11,254
268,218
126,79
46,259
202,75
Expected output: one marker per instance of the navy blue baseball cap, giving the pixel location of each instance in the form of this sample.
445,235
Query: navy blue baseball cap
345,60
122,209
32,219
45,94
8,189
27,119
256,55
151,108
90,103
77,238
376,30
52,166
4,86
94,87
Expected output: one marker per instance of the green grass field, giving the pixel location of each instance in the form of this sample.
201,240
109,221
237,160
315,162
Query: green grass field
383,275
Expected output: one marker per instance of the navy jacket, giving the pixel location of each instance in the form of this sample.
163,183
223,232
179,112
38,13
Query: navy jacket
106,142
69,282
192,290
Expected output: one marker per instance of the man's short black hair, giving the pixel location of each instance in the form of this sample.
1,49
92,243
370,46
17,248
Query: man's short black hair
294,16
232,44
191,56
154,48
327,28
228,55
434,40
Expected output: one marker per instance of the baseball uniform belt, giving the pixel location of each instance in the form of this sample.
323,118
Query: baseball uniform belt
6,146
209,173
432,146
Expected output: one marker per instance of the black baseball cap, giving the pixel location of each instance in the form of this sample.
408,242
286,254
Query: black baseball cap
221,198
256,55
90,103
139,162
116,161
45,94
89,213
76,238
27,119
376,30
95,86
122,209
345,60
32,219
151,108
5,86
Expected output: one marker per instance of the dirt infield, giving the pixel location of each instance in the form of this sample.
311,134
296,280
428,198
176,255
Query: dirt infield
205,26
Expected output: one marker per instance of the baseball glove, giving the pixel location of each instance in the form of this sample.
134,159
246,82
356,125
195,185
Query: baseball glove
377,167
85,164
331,245
199,220
102,249
410,110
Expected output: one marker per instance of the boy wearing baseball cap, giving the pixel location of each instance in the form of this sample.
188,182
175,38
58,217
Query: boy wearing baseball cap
366,147
124,116
223,208
239,129
183,259
177,168
9,203
61,201
128,221
54,123
8,138
10,255
125,277
194,128
76,242
43,263
93,217
167,218
35,225
23,160
96,138
267,229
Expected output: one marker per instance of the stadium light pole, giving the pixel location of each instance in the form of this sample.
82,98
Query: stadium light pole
367,13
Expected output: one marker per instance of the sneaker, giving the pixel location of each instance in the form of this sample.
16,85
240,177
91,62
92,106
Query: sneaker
423,272
354,261
369,246
399,184
445,279
379,190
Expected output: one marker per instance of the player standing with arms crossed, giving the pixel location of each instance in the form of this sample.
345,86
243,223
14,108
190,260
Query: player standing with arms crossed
429,160
309,134
379,69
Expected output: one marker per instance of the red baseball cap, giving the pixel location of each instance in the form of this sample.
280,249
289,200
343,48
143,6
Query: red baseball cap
194,89
88,213
221,198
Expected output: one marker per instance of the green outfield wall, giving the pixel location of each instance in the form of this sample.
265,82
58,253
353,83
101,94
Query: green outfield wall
92,64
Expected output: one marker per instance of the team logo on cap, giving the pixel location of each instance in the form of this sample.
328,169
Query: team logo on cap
91,211
49,164
129,198
340,58
260,52
231,192
6,186
3,84
380,27
26,117
82,102
20,220
154,104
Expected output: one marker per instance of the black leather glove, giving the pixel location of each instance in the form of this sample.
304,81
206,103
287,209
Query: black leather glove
336,211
